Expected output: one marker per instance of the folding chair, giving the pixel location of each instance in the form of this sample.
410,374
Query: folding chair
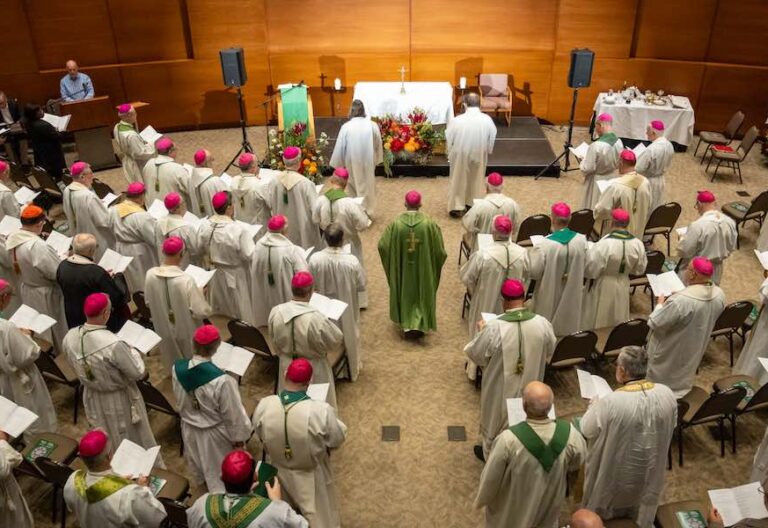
666,514
730,321
249,337
58,370
720,138
662,221
57,474
583,221
177,513
632,332
141,315
533,225
756,397
654,267
742,212
573,349
159,399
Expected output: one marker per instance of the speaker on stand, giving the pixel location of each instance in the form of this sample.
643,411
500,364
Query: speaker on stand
235,75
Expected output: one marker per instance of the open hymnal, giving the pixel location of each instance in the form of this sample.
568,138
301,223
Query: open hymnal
232,359
61,243
763,258
516,414
581,151
741,502
131,460
60,123
9,224
639,149
226,178
191,220
331,308
537,239
25,195
318,391
602,185
14,419
665,284
681,231
201,276
114,261
28,317
157,209
140,338
484,240
150,135
108,199
592,386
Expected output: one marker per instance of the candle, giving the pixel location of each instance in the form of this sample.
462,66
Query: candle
462,83
337,84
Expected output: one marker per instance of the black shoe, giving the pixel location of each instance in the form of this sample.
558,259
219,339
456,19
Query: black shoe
413,334
478,449
456,214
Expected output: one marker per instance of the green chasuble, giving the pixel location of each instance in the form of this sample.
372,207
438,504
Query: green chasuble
101,489
546,454
242,513
197,376
609,137
412,254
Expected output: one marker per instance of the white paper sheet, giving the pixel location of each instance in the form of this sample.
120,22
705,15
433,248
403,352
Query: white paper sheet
191,220
639,149
741,502
308,252
484,240
516,414
331,308
157,209
318,391
150,135
488,316
665,284
251,229
131,460
602,185
140,338
114,261
108,199
226,178
9,224
27,317
591,385
681,231
201,276
232,359
537,239
60,123
25,195
581,151
763,362
15,419
61,243
763,258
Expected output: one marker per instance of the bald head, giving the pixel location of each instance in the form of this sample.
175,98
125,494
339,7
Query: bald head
72,68
537,400
586,519
85,245
471,99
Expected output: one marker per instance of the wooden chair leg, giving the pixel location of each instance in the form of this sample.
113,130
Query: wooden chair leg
668,236
733,434
680,445
721,427
730,345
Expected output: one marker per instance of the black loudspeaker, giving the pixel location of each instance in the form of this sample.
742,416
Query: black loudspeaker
580,74
233,66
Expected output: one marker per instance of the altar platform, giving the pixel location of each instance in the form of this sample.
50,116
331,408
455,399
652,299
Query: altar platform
521,149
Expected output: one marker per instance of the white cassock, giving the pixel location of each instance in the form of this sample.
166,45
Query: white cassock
14,512
18,353
294,196
162,175
250,194
610,262
306,478
515,489
511,354
760,462
275,514
86,213
228,247
175,225
8,207
628,432
203,184
7,273
600,163
130,505
632,193
469,139
212,419
132,150
339,275
109,369
652,164
169,292
38,262
712,235
479,219
679,335
558,270
299,330
358,148
352,219
8,203
276,255
135,237
757,344
762,239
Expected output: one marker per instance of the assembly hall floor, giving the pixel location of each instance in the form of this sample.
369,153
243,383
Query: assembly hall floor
424,479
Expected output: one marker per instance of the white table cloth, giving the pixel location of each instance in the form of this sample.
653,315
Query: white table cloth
631,120
380,98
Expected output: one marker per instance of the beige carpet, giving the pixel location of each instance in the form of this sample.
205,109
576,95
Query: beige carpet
425,480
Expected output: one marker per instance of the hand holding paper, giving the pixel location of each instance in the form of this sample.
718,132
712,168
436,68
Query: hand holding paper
157,209
28,317
14,419
516,414
331,308
592,386
150,135
59,242
318,391
140,338
9,224
581,151
232,359
114,261
132,461
665,284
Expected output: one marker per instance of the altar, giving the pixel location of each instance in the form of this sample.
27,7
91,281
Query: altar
381,98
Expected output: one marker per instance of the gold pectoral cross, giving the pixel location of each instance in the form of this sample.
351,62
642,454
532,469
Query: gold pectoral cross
412,241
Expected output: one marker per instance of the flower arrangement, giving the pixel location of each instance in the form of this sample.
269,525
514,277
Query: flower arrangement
312,150
413,140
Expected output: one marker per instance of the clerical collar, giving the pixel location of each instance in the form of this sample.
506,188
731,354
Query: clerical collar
288,397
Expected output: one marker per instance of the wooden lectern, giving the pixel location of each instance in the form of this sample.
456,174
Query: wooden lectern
92,121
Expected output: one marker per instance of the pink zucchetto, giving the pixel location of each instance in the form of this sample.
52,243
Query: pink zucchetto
78,168
93,443
341,172
173,245
299,371
164,144
620,215
3,285
206,334
200,156
276,223
302,279
657,125
291,153
494,179
124,108
705,197
628,155
605,118
413,198
512,289
561,210
3,166
219,199
172,201
95,303
135,189
502,224
703,266
245,160
237,467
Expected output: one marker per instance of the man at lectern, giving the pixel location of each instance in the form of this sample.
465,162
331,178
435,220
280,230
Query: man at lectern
75,85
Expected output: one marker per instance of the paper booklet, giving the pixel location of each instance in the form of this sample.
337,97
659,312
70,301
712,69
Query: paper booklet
681,231
232,359
333,309
318,391
537,239
108,199
60,123
581,151
201,276
639,149
29,318
59,242
251,229
114,261
14,419
763,258
157,209
488,316
9,224
226,178
191,220
741,502
132,461
592,386
763,362
602,185
308,252
25,195
484,240
665,284
140,338
150,135
516,414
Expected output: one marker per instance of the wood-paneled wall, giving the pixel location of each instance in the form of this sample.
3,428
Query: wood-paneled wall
166,53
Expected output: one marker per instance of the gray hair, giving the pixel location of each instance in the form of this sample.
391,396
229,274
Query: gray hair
357,109
538,399
96,461
471,100
334,235
634,361
84,244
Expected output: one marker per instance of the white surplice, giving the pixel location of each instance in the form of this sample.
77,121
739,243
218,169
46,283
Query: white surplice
679,335
511,354
306,479
203,184
712,235
299,330
632,193
339,275
250,196
294,196
479,219
14,512
760,462
275,253
168,289
652,164
756,346
8,207
210,428
135,237
8,203
7,273
600,163
469,139
174,225
162,175
277,514
132,150
628,432
358,148
86,213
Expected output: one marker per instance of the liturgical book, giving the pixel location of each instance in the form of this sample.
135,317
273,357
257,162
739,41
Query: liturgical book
28,317
665,284
140,338
333,309
232,359
592,386
114,261
131,460
741,502
14,419
201,276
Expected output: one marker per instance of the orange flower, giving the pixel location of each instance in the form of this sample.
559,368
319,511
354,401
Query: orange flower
305,162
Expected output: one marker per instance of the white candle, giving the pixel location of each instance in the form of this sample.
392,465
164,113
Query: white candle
337,84
463,83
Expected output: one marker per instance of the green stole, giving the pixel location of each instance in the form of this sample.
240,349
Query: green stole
199,194
333,195
197,376
564,236
124,127
289,400
546,454
101,489
609,137
242,513
622,235
518,316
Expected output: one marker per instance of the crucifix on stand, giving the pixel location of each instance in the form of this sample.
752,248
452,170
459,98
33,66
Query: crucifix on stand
402,71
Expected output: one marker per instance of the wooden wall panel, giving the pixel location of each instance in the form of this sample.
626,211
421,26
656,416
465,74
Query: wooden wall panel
17,52
217,24
661,33
729,88
739,32
148,30
604,26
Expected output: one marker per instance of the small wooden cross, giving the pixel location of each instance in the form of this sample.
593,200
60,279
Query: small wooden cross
412,241
402,71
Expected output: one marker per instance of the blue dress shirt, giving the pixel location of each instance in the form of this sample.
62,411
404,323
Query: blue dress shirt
76,90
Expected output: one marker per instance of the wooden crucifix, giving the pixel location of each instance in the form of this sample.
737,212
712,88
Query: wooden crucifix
402,71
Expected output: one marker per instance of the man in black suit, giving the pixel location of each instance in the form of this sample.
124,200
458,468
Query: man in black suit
14,140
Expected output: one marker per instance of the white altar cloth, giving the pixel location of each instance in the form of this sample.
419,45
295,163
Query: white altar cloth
630,120
380,98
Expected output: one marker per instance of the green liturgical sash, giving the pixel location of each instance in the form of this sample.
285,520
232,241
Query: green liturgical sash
518,316
623,236
609,137
124,127
242,513
101,489
334,195
563,236
197,376
295,107
546,454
